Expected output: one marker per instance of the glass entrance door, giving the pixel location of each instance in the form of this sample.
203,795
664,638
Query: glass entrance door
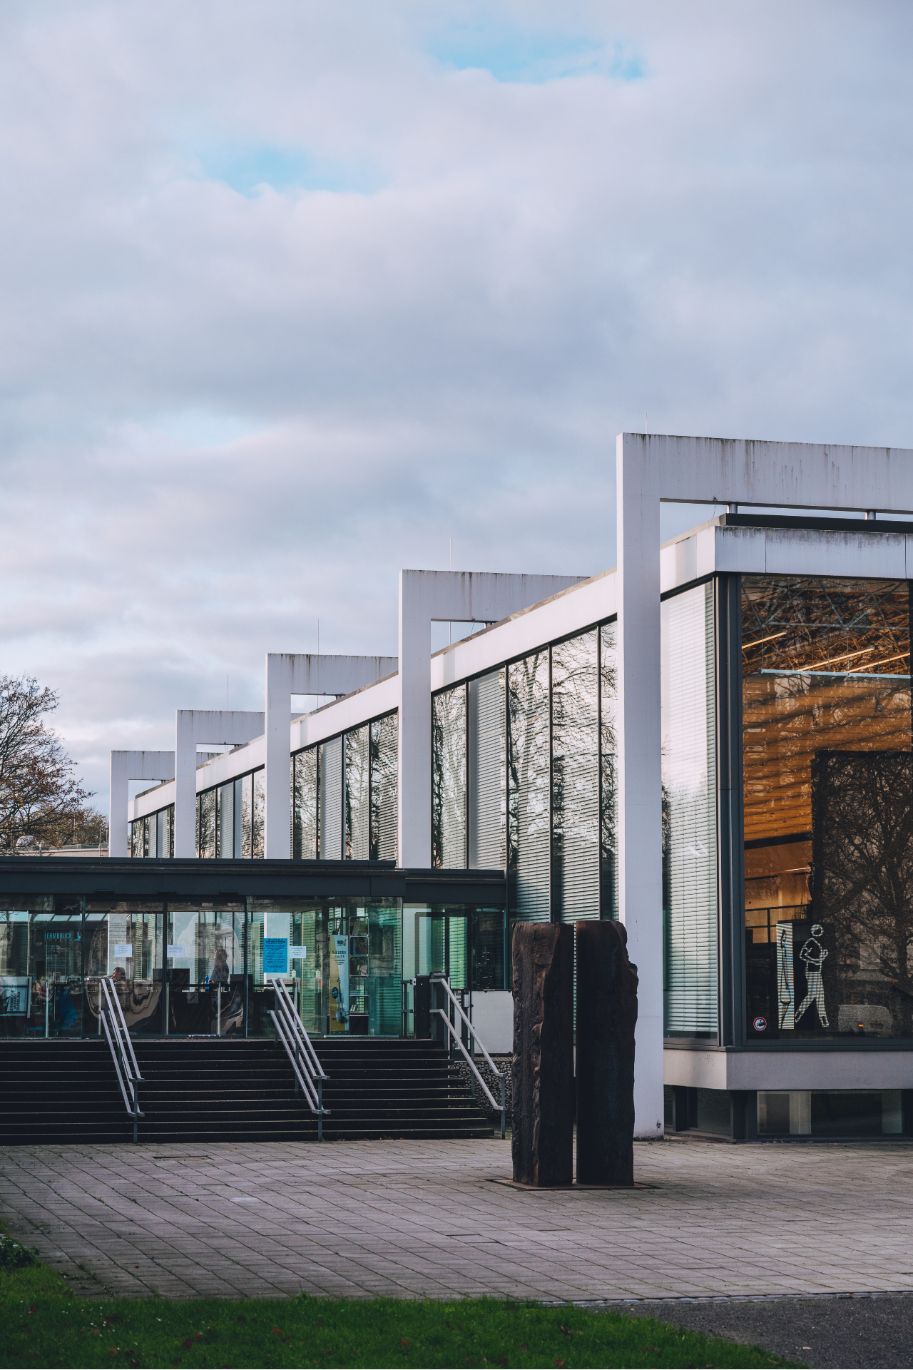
57,977
205,956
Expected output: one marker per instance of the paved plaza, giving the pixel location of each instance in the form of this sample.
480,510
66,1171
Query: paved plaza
437,1219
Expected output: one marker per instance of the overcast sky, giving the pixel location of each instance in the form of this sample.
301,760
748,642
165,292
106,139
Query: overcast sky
294,294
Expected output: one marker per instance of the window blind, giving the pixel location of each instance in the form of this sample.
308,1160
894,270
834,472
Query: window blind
330,791
384,755
448,785
689,813
486,722
357,824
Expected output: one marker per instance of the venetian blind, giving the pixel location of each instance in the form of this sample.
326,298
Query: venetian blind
357,824
384,754
448,785
330,790
486,716
689,813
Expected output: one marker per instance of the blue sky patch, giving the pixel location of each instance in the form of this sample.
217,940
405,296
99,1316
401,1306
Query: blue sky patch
246,168
533,58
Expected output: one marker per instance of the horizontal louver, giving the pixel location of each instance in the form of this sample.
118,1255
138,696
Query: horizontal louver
357,825
448,785
689,813
304,804
330,788
487,791
384,757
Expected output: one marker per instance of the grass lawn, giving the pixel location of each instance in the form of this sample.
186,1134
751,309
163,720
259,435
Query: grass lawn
43,1324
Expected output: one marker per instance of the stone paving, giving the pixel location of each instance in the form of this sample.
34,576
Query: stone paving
437,1219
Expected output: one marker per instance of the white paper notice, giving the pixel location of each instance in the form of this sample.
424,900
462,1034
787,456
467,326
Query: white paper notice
298,953
174,949
122,949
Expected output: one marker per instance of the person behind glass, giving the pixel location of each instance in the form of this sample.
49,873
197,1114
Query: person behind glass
221,972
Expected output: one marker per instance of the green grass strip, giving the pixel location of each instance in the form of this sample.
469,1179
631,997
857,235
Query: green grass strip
43,1324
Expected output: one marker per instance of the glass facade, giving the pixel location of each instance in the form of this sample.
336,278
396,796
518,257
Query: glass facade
193,967
154,834
344,795
828,807
448,779
524,777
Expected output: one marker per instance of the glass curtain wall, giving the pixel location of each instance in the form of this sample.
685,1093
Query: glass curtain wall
529,787
524,777
828,807
304,805
690,881
575,778
344,795
154,834
384,787
357,765
448,778
229,819
486,734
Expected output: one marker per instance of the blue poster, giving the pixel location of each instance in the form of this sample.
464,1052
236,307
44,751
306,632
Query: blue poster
275,956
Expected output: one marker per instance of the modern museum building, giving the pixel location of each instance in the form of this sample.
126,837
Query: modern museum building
713,742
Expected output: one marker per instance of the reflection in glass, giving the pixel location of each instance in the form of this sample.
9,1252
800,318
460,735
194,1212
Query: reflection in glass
357,815
528,795
575,778
486,725
690,813
384,750
330,795
448,778
304,805
828,803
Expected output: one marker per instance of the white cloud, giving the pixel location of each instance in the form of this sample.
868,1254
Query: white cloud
227,410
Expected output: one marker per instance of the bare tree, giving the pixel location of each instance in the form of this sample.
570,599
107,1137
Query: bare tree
39,792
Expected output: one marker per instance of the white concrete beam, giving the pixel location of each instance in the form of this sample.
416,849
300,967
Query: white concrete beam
427,597
302,673
127,766
695,470
195,728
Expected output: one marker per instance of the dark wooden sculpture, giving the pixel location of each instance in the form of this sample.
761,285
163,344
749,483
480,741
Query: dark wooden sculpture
606,1015
542,1070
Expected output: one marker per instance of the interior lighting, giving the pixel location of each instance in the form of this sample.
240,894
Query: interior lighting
757,642
883,662
829,660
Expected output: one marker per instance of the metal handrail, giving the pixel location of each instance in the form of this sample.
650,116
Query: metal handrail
117,1035
299,1049
439,979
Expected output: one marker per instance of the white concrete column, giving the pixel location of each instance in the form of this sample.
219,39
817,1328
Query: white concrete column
302,673
639,762
194,728
413,849
427,597
127,766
